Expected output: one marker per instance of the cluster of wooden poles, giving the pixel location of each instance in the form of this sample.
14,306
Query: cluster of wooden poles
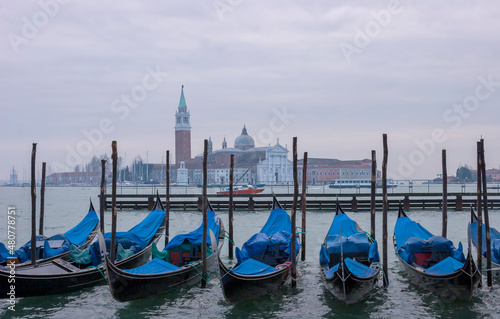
482,199
114,158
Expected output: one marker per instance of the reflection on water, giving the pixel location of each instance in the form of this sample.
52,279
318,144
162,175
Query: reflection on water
66,206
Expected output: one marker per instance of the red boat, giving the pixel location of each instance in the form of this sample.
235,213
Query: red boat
241,190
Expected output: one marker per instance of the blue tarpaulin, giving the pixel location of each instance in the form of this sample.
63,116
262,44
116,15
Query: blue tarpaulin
355,243
342,223
329,273
196,236
446,266
323,256
23,253
253,267
278,221
158,265
373,253
495,241
143,232
258,244
276,232
434,245
48,251
155,266
358,269
353,240
406,228
78,234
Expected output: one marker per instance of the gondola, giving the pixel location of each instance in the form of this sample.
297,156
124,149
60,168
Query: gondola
84,269
56,246
178,265
495,245
433,262
349,260
263,262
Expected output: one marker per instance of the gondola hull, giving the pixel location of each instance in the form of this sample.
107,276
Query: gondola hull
49,278
352,289
237,288
458,285
126,286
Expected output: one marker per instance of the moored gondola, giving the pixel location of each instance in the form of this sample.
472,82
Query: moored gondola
56,246
83,268
495,245
178,265
433,262
349,260
263,262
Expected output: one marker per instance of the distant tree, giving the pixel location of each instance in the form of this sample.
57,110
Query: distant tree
464,173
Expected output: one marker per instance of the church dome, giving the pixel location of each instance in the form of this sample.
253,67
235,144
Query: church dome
244,141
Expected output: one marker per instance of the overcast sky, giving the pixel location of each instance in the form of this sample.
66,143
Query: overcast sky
75,75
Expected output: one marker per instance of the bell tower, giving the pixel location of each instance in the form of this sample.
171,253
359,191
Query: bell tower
182,131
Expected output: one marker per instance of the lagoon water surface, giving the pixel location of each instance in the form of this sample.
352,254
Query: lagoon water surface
65,206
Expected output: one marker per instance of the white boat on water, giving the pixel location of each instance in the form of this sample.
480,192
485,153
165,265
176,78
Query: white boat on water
358,183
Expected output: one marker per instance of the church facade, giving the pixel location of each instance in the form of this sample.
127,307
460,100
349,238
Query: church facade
252,164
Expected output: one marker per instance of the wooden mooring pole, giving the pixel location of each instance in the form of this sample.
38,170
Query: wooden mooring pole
204,209
112,248
231,172
479,210
303,207
486,218
373,190
167,197
294,222
42,199
102,200
385,208
33,205
445,195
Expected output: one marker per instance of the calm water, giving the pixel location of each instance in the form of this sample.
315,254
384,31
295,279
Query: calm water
66,206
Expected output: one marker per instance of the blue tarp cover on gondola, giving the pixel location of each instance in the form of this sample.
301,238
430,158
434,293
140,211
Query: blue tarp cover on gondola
78,234
495,241
155,266
355,243
23,253
276,232
143,232
196,236
48,251
406,228
253,267
358,269
446,266
278,221
434,245
331,272
342,222
373,252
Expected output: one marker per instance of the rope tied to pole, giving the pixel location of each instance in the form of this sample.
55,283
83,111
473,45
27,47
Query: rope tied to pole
99,269
232,242
192,264
377,265
288,265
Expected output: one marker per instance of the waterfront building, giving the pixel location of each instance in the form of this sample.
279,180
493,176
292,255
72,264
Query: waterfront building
326,170
72,178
